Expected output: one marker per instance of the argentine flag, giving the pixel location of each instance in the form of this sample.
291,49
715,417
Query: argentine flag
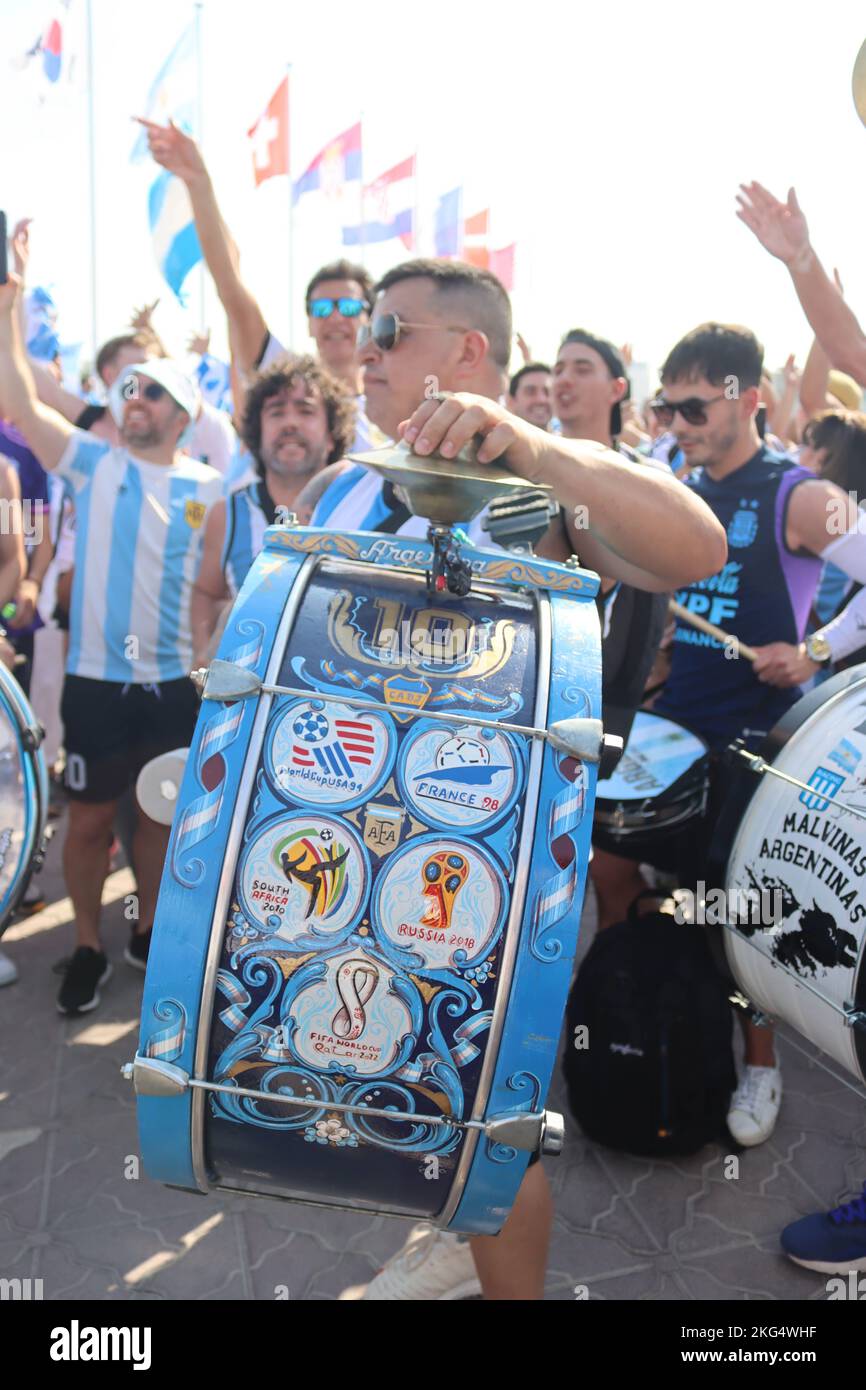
172,96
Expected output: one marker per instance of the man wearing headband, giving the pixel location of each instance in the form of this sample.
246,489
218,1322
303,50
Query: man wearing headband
140,510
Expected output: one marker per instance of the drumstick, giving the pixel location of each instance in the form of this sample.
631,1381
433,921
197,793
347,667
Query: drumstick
686,616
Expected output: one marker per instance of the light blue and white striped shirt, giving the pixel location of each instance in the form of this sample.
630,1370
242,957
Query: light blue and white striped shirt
246,523
355,502
138,535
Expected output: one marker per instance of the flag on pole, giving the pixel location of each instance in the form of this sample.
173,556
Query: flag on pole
175,239
502,264
337,164
389,207
448,227
270,136
172,96
172,93
476,230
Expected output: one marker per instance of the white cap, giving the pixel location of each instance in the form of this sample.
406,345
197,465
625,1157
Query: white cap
166,374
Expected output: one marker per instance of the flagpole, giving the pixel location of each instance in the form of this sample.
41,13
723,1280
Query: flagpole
363,224
199,116
291,227
91,162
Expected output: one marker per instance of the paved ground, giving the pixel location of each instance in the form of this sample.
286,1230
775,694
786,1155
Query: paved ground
626,1228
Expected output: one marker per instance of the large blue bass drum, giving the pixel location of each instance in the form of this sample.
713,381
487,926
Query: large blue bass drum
366,925
23,796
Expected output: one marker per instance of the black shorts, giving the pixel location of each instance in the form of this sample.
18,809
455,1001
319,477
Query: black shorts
112,730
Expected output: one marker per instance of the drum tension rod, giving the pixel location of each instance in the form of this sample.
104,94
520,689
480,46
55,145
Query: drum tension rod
584,739
760,766
542,1130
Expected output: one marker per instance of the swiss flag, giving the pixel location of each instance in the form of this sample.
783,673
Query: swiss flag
270,136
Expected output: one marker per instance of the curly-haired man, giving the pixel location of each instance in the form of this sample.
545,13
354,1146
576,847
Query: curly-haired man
297,419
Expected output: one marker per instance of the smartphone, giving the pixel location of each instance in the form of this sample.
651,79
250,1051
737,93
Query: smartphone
761,420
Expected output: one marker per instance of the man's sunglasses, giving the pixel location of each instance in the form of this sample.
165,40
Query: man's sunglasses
349,307
693,410
134,389
386,329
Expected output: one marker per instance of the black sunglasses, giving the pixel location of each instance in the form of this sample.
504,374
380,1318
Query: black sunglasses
133,390
346,305
693,410
386,330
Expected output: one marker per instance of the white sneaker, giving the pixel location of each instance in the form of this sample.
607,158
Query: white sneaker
8,970
433,1266
754,1106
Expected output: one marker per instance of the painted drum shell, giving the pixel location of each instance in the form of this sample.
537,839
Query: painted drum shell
394,1020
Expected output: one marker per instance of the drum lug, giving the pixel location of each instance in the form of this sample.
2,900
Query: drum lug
584,739
225,681
528,1132
154,1078
855,1018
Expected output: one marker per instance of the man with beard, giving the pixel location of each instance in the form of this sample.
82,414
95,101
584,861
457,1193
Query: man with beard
127,697
297,418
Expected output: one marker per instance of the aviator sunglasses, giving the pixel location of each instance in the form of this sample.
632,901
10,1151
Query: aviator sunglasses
346,305
693,410
386,329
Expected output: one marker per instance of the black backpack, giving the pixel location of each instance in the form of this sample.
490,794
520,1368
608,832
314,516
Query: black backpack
656,1071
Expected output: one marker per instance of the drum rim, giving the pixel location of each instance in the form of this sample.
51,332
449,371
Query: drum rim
22,718
739,800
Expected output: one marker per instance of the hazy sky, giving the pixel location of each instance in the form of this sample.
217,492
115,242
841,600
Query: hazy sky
608,141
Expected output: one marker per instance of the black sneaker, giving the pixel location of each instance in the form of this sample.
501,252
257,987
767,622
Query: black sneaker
138,948
87,970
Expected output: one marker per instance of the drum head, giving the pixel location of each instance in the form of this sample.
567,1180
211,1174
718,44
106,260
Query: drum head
158,785
802,857
23,794
659,753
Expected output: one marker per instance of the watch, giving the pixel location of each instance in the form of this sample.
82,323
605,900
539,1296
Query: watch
818,649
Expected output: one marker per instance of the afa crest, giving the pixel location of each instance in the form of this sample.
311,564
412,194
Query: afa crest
743,527
193,513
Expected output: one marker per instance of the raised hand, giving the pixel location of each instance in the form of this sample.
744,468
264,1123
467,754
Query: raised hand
780,227
525,351
792,373
174,150
142,319
199,343
20,241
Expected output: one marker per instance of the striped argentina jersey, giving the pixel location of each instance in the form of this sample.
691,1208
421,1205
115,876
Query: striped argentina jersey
248,513
357,501
138,535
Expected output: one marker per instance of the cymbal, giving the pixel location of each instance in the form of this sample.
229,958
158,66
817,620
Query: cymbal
858,82
445,491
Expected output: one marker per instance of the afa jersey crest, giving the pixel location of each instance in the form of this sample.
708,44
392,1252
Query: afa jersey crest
193,513
743,526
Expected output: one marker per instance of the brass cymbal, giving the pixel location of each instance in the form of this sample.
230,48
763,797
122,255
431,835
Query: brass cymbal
442,490
858,82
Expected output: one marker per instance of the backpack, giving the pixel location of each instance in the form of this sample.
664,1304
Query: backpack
654,1073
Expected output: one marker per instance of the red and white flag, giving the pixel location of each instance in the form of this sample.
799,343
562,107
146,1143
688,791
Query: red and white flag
270,136
476,231
502,265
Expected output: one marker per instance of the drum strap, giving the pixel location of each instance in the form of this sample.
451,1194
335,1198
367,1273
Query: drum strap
400,513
